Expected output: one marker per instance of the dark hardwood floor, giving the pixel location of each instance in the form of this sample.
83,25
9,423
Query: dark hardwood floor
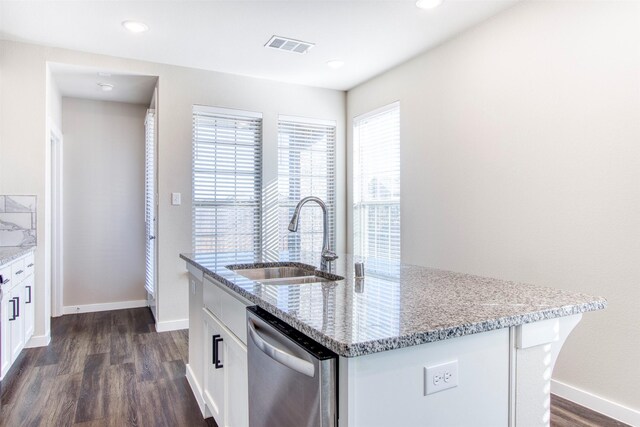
565,413
102,369
112,369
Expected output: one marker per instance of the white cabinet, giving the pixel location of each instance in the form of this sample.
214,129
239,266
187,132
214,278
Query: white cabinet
226,381
16,309
236,383
225,388
5,346
217,371
214,368
29,313
16,324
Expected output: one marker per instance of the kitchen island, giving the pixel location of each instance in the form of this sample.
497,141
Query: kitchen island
500,338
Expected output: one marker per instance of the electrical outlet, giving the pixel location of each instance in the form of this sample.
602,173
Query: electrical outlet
176,199
440,377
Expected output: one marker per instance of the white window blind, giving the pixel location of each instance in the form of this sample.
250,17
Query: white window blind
306,167
227,182
149,200
377,186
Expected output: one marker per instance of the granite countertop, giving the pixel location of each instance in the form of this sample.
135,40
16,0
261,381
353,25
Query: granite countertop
9,253
397,305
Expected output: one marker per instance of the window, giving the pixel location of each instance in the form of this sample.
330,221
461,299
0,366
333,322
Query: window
227,183
376,198
306,167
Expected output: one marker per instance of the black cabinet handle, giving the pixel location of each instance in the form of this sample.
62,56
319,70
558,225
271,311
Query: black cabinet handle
13,309
19,272
214,343
30,265
216,360
17,305
28,302
5,281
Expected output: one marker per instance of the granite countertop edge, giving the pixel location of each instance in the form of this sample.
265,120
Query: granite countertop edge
402,341
10,253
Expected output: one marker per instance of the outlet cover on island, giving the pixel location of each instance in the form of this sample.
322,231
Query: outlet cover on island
440,377
176,199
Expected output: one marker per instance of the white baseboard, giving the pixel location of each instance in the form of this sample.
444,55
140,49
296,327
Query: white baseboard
38,341
596,403
90,308
172,325
196,389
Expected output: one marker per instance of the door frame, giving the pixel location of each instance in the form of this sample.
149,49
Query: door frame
57,237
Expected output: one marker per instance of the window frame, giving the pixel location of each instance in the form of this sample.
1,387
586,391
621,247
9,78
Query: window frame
256,204
288,121
360,229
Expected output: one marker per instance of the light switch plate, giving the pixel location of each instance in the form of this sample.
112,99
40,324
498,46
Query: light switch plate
176,199
440,377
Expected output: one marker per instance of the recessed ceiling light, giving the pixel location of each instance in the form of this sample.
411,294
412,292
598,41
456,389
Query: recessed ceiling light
135,26
103,74
106,87
335,64
428,4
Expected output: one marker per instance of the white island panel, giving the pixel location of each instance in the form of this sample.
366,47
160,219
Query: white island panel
388,389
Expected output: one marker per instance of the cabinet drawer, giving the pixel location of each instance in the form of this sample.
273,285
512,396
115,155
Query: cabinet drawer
226,307
18,272
29,264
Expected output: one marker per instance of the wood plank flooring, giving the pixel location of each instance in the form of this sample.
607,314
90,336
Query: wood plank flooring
102,369
113,369
568,414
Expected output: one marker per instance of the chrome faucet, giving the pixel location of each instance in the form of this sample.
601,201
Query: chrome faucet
327,254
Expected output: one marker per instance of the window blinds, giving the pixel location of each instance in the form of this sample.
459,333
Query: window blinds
377,186
227,182
306,167
149,200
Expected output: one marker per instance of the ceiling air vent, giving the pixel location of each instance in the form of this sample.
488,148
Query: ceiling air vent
290,45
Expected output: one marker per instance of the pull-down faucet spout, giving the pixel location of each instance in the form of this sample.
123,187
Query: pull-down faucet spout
327,254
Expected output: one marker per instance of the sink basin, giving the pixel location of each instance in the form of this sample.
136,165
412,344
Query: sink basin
284,274
269,273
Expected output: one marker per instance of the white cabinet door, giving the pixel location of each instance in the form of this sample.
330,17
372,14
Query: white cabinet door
5,346
29,312
226,382
214,368
16,321
236,382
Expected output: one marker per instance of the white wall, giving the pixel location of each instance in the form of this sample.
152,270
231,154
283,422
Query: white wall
23,151
104,235
521,160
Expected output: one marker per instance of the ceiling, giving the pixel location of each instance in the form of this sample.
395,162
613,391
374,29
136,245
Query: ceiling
370,36
82,82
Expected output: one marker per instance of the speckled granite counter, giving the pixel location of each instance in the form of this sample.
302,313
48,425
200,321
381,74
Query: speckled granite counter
10,253
396,306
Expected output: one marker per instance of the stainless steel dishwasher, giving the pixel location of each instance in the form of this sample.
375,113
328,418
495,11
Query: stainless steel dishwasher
292,379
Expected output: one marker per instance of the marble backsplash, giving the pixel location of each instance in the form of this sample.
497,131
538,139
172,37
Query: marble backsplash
17,221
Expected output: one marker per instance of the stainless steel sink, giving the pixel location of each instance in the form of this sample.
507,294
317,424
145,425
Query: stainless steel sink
294,280
269,273
284,274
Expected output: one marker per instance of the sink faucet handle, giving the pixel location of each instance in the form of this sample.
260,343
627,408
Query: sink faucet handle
329,255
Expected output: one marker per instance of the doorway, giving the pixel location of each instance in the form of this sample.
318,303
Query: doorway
104,198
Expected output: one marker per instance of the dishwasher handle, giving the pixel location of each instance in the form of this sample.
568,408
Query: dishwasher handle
289,360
